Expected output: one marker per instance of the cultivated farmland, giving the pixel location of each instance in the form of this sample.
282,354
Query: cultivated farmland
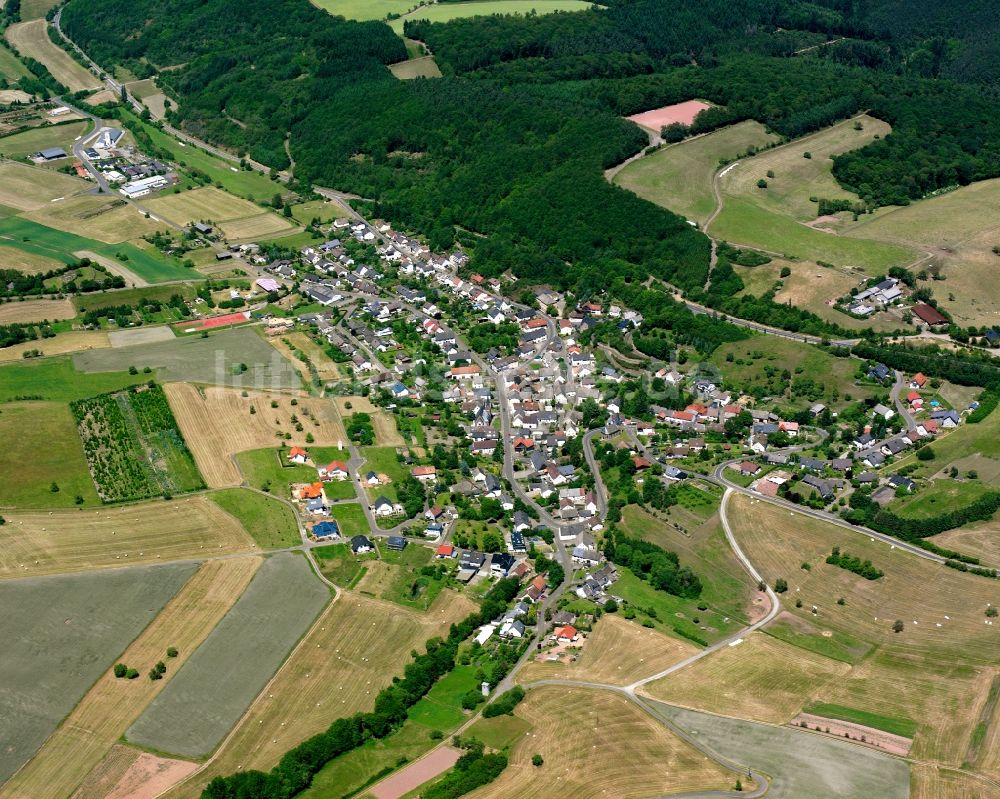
41,447
65,632
127,772
352,651
46,542
97,217
218,423
27,187
657,118
255,227
32,39
27,262
800,764
213,360
56,379
215,206
36,311
582,736
23,234
214,688
133,446
679,177
761,679
617,652
102,716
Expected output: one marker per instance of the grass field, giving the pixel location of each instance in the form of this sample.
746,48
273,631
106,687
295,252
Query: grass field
800,764
617,652
797,178
213,689
937,671
217,423
98,721
352,651
325,368
761,679
959,229
442,12
941,496
108,220
41,446
499,732
271,523
32,39
365,9
30,141
207,204
56,379
36,311
833,644
23,234
596,744
727,589
264,469
26,187
11,66
36,9
680,177
342,566
322,209
65,632
805,363
386,434
212,360
46,542
424,67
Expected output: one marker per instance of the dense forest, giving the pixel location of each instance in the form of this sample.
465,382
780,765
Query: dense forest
512,141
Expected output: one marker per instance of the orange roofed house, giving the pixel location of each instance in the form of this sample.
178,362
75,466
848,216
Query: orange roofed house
298,455
335,470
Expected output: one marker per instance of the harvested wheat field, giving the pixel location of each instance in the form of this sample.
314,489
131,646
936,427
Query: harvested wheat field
73,341
129,773
26,187
930,782
105,712
32,39
27,262
286,345
36,311
216,423
617,652
761,679
597,745
110,220
34,543
257,226
352,651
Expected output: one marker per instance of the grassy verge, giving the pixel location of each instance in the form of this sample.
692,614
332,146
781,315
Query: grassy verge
270,522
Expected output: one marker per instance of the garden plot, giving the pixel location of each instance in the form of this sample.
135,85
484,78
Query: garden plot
133,446
60,634
215,687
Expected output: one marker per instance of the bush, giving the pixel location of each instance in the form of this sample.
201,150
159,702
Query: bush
897,626
537,759
120,670
780,585
131,674
926,454
473,699
504,705
171,651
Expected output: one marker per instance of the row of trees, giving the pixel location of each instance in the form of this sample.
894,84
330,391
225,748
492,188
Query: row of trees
660,567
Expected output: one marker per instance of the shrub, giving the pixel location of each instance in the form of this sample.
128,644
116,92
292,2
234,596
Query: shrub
925,454
171,651
120,670
780,585
897,626
537,760
131,674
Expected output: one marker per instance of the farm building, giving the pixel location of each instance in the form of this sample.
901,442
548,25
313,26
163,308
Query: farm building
50,154
926,313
